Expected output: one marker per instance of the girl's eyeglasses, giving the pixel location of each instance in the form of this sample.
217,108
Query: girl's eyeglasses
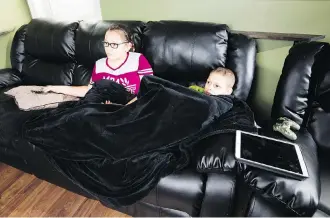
112,45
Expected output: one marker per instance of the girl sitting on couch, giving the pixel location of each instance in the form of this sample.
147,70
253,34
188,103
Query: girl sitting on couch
124,68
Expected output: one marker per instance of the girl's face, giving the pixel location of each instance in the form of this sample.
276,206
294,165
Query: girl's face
116,45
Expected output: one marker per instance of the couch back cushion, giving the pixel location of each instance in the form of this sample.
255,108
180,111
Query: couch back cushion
17,52
295,87
241,59
89,47
322,69
49,50
183,51
319,117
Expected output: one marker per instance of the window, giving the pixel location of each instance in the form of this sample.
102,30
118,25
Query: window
65,9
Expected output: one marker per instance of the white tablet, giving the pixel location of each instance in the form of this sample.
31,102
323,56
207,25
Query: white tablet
270,154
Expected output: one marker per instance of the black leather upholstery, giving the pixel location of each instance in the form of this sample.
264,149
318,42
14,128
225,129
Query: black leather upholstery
189,54
241,59
301,197
319,127
219,156
49,54
17,52
303,95
55,43
184,52
142,209
9,77
219,195
182,191
264,207
35,72
292,93
325,183
318,122
320,114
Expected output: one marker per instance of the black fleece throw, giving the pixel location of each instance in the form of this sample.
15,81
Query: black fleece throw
119,153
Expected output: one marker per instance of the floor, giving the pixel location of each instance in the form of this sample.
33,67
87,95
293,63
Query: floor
22,194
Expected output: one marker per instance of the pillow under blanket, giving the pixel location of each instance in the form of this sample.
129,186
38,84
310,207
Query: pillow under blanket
27,99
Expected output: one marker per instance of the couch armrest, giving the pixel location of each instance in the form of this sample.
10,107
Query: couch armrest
302,197
9,77
220,191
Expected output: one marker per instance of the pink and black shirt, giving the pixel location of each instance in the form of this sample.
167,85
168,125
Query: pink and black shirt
128,74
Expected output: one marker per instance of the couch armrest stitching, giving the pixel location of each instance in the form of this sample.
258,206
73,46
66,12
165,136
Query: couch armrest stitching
204,181
253,204
231,197
276,198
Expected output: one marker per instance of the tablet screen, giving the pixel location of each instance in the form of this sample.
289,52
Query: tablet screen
270,152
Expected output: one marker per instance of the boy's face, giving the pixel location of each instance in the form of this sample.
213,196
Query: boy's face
218,84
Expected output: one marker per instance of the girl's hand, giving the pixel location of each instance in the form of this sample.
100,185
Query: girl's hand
107,102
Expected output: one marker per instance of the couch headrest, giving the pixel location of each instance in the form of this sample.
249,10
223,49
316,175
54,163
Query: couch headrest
183,51
49,52
317,115
241,59
322,68
50,40
296,86
17,51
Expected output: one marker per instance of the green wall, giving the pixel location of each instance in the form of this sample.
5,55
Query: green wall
13,13
295,16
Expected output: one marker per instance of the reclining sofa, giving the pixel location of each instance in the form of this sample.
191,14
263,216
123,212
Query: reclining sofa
45,52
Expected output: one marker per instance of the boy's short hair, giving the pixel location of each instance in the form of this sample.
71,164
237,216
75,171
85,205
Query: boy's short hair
226,72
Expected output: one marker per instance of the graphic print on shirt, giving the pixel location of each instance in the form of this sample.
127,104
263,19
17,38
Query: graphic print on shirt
123,81
128,74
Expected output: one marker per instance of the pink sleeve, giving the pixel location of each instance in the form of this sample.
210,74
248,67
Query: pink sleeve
144,66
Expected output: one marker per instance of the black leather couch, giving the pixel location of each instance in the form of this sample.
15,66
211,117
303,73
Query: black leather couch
303,93
45,53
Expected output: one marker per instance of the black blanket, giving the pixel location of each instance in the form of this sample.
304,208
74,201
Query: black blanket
119,153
